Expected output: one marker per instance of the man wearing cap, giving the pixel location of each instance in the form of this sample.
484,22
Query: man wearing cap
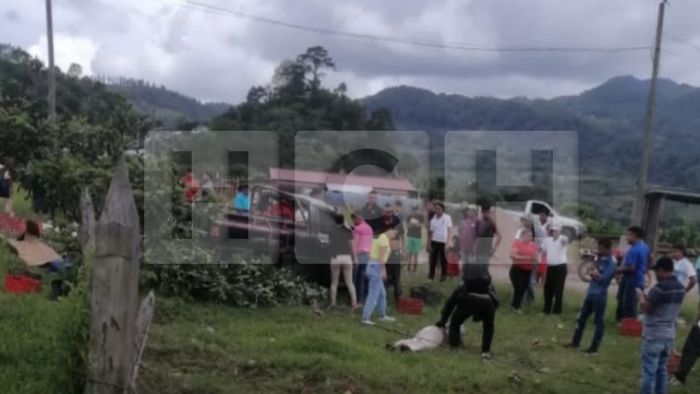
661,307
554,248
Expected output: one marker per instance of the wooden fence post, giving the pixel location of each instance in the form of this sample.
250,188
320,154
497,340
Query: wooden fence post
114,290
87,222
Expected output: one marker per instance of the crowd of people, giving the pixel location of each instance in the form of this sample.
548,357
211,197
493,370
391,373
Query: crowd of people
384,241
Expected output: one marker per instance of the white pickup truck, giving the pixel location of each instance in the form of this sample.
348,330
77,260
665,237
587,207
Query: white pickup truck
571,228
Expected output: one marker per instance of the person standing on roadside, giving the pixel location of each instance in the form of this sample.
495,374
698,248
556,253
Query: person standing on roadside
554,248
440,237
596,299
683,269
362,236
376,273
661,308
414,236
373,213
488,239
633,270
467,237
396,247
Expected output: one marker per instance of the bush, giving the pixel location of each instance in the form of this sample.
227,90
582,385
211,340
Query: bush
198,274
242,285
43,344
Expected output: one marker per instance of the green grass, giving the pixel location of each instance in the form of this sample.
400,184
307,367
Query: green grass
215,349
39,341
21,203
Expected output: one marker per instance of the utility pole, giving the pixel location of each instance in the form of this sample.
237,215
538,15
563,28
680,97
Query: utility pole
639,203
52,71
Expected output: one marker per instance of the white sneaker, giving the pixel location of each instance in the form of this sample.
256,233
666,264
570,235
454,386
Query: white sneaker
387,319
368,323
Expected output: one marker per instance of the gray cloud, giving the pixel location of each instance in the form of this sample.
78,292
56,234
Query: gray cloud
214,56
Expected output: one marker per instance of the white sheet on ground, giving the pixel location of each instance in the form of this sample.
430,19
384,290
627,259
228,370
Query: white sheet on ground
426,339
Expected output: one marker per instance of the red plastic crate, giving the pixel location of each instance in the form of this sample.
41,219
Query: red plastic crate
13,225
21,284
631,327
410,306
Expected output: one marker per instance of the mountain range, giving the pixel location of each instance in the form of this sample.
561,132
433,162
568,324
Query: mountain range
609,119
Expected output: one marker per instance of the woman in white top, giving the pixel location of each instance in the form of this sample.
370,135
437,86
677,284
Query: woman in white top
554,248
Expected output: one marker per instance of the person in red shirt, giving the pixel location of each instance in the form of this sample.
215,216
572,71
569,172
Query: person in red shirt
191,185
524,255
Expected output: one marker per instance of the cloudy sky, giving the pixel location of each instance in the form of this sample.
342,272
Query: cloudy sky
214,55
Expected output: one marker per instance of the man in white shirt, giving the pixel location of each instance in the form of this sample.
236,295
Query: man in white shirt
683,269
554,249
439,234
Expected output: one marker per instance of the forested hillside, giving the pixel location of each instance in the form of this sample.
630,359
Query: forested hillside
608,118
172,110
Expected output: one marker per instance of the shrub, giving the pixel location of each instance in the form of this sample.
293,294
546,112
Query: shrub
242,285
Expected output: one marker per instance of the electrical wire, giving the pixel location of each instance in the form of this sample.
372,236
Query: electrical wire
202,6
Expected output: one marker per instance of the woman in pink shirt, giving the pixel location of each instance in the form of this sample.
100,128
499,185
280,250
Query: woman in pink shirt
362,237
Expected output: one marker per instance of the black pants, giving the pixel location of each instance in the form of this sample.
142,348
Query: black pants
554,288
691,352
393,273
626,299
520,279
438,254
482,308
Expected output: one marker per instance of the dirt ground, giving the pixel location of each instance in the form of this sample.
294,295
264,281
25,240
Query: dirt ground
500,263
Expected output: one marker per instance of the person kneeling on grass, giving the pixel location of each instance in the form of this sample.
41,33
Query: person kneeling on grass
474,298
596,299
691,352
376,273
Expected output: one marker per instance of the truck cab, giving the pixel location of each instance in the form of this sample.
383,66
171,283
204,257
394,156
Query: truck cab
291,227
571,228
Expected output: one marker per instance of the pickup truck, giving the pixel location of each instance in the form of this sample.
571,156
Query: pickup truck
571,228
303,231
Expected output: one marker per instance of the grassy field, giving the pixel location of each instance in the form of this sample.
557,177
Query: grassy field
40,341
195,348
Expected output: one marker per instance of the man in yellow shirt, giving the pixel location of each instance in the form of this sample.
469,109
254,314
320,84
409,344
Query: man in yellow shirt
376,273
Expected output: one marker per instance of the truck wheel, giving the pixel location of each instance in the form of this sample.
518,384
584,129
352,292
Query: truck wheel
583,268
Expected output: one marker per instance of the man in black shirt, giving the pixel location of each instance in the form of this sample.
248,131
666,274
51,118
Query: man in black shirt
390,221
373,213
474,298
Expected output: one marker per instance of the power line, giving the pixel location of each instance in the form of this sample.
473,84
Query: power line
680,57
684,42
407,41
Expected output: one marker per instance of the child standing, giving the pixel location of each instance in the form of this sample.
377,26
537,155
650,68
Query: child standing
453,258
596,299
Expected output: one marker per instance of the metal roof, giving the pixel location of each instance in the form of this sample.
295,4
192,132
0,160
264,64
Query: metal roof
325,178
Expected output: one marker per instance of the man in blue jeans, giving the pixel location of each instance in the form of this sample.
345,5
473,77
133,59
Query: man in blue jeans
633,269
596,298
661,308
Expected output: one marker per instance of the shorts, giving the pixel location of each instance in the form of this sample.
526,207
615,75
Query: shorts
413,245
